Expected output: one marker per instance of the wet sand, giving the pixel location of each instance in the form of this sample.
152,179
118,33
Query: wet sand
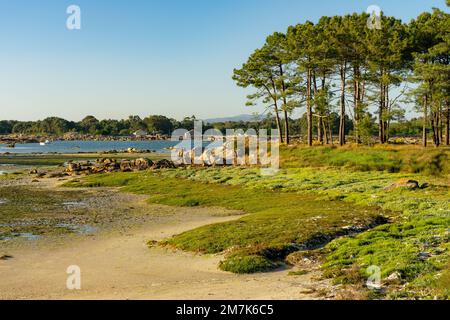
119,265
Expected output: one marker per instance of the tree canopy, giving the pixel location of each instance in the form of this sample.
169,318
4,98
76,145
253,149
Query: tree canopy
341,64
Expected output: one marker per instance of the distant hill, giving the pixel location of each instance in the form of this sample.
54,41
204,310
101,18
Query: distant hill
242,117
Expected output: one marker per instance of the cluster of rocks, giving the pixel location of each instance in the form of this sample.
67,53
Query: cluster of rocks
129,150
224,154
111,165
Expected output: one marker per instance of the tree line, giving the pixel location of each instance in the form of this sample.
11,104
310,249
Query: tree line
341,65
154,124
161,125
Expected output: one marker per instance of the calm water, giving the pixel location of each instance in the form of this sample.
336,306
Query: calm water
89,146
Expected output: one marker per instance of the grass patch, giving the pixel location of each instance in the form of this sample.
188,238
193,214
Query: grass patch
389,158
278,222
242,263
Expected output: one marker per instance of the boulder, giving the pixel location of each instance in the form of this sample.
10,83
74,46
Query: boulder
163,164
142,164
105,161
394,278
423,255
73,167
404,183
125,166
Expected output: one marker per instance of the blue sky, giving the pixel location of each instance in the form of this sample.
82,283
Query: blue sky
171,57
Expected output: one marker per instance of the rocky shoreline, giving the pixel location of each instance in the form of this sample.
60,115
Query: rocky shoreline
104,165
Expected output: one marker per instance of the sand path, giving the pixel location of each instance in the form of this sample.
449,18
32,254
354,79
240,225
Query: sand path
119,265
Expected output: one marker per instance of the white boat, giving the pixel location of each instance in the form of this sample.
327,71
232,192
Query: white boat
44,143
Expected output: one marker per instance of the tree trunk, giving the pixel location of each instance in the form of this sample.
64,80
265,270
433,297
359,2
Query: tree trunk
425,121
447,126
330,130
342,104
441,127
277,115
277,119
435,127
357,102
286,116
317,111
387,122
381,115
325,134
308,108
286,126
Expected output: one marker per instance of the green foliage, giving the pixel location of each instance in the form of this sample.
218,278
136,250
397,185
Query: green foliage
91,125
239,263
277,222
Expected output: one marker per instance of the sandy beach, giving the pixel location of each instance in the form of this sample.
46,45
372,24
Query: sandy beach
119,265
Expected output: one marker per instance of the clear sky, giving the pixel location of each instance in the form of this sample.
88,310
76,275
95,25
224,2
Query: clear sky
170,57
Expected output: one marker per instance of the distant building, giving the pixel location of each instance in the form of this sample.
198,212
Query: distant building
140,133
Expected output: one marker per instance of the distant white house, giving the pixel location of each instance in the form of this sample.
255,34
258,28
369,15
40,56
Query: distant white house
140,133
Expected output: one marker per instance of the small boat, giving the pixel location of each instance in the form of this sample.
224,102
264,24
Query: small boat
46,142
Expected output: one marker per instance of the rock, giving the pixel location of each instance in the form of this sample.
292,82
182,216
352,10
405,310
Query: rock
5,257
404,183
40,175
73,167
142,164
34,171
423,255
394,278
85,165
105,161
163,164
125,166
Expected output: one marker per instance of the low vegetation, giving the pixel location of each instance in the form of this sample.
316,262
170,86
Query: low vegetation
390,158
307,207
277,223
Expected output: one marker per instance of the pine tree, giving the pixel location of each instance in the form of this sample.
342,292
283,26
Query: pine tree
258,72
388,60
